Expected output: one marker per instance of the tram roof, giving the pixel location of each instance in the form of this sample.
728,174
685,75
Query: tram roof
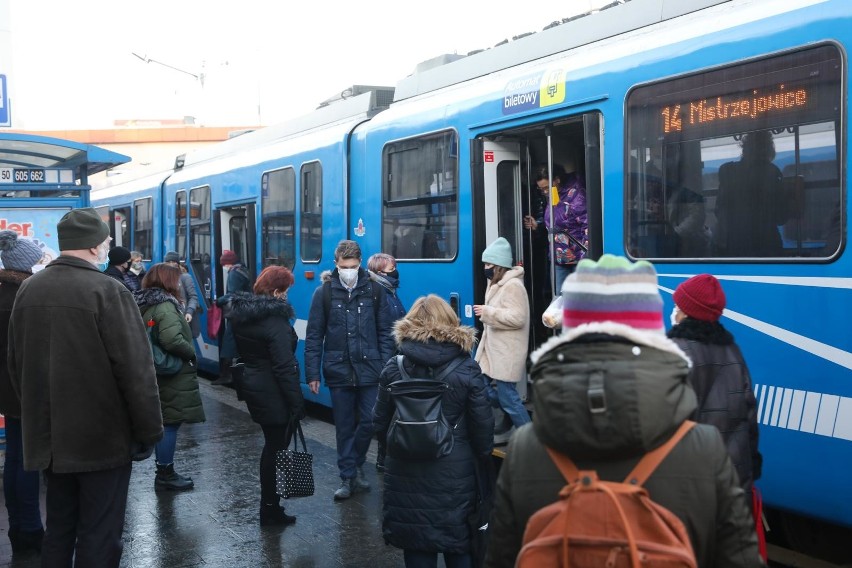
19,150
621,16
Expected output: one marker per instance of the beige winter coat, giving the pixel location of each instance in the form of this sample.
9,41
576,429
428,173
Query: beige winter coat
502,351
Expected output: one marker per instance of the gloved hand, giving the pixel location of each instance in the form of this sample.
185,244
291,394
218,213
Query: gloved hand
140,452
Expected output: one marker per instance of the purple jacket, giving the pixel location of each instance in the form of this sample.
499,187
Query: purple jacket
571,219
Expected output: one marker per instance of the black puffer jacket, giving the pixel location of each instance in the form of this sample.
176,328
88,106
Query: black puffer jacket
722,383
10,281
267,343
427,504
646,399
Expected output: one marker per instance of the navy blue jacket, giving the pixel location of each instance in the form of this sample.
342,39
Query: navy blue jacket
391,285
353,343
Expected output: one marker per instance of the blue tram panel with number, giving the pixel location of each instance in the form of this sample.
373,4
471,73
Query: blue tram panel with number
711,138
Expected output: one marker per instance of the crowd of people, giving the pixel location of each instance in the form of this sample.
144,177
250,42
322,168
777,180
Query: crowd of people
611,387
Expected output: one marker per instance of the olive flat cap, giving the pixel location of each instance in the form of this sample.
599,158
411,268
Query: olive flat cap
81,229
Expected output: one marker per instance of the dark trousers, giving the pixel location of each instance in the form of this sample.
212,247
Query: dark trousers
85,516
20,488
352,408
417,559
276,437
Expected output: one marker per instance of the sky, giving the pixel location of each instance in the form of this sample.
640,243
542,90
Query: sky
263,61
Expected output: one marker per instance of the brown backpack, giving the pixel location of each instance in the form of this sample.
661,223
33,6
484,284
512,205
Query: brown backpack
607,523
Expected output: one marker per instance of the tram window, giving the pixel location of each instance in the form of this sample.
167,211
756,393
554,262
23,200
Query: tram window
181,223
738,162
201,240
143,223
420,213
311,212
121,227
278,209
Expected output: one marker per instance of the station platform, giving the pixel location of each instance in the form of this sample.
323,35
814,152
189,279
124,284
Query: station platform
216,524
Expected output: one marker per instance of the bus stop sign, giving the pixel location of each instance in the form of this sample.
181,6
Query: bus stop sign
5,113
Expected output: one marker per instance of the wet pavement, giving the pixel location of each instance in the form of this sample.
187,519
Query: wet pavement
216,524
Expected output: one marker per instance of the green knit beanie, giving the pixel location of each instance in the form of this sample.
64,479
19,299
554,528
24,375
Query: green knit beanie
498,253
81,229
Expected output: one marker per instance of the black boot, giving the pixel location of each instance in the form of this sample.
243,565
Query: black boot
274,514
22,541
225,377
168,478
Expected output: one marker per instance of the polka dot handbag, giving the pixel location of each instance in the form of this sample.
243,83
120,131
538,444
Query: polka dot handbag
294,470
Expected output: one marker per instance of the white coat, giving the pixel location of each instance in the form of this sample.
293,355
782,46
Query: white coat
502,351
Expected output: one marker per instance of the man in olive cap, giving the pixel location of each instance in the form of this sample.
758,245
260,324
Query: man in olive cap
80,364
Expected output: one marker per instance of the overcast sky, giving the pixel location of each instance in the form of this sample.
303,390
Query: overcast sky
263,61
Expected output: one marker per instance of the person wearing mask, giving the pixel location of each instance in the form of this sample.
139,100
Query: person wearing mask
20,487
427,504
349,337
569,225
89,401
270,382
137,264
181,400
382,267
188,294
502,352
719,374
239,280
609,389
119,265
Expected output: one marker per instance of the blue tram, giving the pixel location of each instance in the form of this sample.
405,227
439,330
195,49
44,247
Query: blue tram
661,105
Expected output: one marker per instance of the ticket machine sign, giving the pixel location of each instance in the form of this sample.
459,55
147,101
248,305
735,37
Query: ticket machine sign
5,113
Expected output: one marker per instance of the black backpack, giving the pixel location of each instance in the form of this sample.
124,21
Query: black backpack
419,431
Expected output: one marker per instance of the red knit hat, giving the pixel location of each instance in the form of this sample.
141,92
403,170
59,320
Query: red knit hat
228,257
701,297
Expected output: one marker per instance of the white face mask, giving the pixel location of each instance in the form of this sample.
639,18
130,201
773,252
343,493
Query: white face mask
348,276
673,316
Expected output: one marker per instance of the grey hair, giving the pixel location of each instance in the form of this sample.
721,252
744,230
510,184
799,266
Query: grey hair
378,261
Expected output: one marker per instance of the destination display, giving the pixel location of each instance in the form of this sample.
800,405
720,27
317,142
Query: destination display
36,176
802,87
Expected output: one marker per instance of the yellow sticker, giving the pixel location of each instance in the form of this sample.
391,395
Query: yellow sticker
554,195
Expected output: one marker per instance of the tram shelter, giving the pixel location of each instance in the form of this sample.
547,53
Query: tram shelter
42,178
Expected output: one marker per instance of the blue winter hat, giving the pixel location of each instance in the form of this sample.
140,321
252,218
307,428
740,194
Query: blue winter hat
498,253
18,254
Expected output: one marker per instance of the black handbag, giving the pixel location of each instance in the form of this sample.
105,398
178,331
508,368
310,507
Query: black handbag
294,470
165,363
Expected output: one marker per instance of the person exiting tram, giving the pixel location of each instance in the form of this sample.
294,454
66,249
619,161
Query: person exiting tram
349,338
239,280
505,316
568,224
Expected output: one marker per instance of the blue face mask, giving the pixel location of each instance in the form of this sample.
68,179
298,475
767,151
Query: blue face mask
103,253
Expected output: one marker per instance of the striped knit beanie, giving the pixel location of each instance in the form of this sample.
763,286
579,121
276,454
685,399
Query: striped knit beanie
613,289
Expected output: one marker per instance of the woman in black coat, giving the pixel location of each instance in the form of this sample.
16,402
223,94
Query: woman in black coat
427,505
719,373
270,381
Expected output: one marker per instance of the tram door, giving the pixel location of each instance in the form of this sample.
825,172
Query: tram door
503,194
236,231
